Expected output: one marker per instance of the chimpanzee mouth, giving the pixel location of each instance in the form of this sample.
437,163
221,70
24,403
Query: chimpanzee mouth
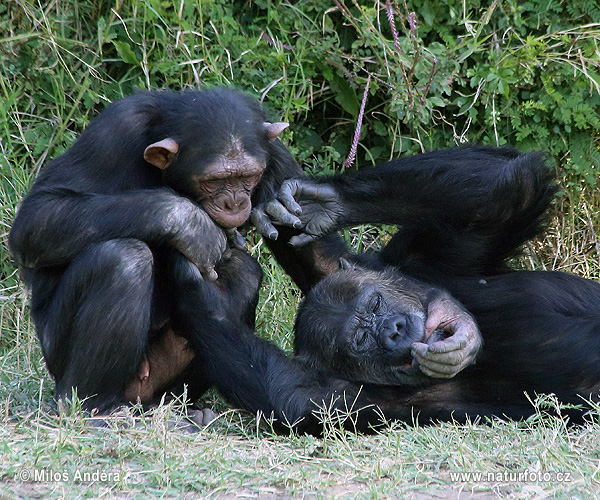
403,368
404,363
400,361
401,375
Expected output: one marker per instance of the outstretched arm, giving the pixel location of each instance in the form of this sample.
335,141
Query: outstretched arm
468,189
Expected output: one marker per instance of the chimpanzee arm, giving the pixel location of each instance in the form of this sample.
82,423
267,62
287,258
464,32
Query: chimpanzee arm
449,188
53,226
306,265
256,376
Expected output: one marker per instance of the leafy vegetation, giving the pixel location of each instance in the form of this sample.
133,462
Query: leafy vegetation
429,75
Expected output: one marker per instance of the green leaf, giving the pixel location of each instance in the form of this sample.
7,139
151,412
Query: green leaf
380,129
345,95
125,52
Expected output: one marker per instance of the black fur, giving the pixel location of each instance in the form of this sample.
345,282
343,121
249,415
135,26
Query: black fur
96,236
461,214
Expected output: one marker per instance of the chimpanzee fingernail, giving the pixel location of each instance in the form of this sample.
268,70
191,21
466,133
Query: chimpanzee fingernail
273,235
298,224
419,349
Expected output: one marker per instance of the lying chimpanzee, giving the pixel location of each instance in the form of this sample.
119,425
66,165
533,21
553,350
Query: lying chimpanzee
541,330
462,213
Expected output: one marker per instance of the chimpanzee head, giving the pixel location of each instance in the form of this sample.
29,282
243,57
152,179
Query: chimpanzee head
213,148
360,325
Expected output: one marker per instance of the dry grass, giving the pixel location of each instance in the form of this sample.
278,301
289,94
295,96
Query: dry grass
571,242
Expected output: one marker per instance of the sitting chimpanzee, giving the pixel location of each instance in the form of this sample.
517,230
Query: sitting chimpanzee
541,330
155,183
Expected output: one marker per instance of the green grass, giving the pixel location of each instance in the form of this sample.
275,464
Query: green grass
60,63
238,454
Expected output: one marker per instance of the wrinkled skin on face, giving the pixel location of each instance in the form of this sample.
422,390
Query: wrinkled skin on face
361,325
220,172
225,186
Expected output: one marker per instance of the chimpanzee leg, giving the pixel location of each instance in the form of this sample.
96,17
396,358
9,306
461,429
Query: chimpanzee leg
477,240
429,252
95,328
234,295
240,276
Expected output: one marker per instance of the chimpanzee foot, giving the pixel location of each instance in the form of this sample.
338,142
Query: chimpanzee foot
201,418
195,420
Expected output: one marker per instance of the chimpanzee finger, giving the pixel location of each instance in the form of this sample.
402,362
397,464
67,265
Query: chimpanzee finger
236,240
281,215
208,273
442,371
286,195
439,365
442,314
263,224
456,342
308,190
301,240
201,417
453,358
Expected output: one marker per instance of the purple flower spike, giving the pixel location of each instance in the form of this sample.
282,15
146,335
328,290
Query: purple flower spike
352,155
412,22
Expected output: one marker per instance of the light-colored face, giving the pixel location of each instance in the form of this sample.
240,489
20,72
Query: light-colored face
225,187
221,174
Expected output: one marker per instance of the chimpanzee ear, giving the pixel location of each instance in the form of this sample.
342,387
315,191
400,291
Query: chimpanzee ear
161,153
274,129
345,265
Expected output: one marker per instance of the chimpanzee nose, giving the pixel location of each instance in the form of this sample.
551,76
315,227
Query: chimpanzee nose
236,204
393,332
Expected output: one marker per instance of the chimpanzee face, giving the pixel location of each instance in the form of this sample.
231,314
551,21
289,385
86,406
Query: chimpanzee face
215,152
360,325
220,176
225,186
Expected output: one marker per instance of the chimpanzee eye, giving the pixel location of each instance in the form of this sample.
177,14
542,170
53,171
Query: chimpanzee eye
375,303
251,181
361,337
211,186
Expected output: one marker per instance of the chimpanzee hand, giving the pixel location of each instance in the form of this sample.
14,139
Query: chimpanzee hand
198,237
303,204
236,240
445,358
265,214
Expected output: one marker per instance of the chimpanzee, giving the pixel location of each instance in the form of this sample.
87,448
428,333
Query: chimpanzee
157,183
154,172
541,330
462,213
